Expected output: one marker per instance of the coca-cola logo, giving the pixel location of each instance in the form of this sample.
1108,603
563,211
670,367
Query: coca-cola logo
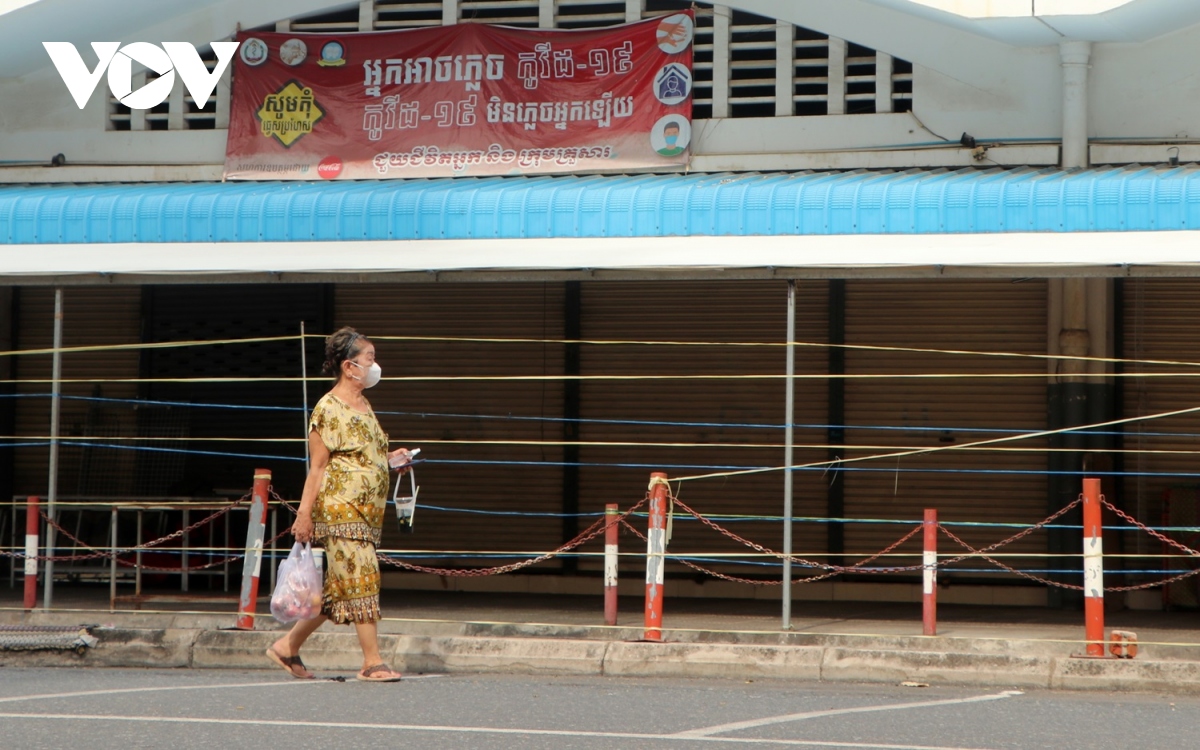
329,168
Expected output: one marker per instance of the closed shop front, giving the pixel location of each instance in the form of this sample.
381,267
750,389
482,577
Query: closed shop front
1162,484
486,406
953,400
92,316
694,426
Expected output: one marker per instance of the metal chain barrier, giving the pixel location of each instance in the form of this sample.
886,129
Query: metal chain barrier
152,543
1159,536
758,582
98,554
275,496
972,552
600,526
1123,515
205,566
591,532
856,566
229,559
1153,584
1003,542
834,569
752,545
980,553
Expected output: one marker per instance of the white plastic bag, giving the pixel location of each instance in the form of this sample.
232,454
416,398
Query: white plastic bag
297,587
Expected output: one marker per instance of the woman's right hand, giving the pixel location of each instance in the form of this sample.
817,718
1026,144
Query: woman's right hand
302,528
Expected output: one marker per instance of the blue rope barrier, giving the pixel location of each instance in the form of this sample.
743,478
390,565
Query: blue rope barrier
630,422
643,466
155,449
281,553
529,514
479,462
651,466
806,519
149,402
826,469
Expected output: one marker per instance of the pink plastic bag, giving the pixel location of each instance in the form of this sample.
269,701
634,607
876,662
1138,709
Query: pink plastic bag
297,587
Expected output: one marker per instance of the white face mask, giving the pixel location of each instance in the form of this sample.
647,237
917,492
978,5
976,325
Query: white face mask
374,373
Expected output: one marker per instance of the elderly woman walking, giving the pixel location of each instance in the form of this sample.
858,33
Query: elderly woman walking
342,505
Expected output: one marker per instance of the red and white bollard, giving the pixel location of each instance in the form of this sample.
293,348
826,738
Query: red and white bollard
1093,567
31,550
929,559
611,514
656,549
252,564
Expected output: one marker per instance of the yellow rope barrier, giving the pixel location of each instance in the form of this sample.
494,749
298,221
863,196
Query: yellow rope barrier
613,342
550,378
155,345
638,555
129,438
778,344
967,448
941,448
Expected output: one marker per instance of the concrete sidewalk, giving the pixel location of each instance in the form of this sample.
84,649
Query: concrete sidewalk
1022,647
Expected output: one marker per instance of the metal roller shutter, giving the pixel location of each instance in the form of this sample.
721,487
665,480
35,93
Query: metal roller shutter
221,437
452,421
999,316
1161,317
92,316
719,411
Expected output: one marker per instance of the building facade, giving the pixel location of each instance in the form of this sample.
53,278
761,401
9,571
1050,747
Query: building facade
934,178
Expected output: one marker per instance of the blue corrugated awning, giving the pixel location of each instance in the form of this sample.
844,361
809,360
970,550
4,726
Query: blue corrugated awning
815,203
521,214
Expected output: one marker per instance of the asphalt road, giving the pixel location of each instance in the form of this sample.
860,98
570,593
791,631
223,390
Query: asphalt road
124,709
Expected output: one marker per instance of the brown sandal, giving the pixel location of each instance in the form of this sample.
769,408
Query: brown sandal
378,673
290,664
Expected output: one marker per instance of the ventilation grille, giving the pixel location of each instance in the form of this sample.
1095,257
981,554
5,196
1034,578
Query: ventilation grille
179,111
829,75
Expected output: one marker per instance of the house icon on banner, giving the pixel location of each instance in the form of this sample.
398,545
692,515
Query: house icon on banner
672,84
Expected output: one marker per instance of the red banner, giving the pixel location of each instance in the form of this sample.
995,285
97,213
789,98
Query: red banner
464,100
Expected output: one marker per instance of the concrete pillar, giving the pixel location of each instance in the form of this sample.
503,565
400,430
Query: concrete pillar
1076,58
633,10
1078,310
785,68
366,15
722,37
1080,324
838,49
883,83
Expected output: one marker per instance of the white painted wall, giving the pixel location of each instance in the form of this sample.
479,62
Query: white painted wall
963,82
1147,90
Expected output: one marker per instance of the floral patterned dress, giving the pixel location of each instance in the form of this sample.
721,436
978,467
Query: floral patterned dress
348,513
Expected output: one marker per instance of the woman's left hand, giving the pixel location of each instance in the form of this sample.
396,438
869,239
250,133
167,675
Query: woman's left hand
398,458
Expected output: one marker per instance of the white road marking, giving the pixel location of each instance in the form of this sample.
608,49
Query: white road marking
753,723
474,730
166,688
85,693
